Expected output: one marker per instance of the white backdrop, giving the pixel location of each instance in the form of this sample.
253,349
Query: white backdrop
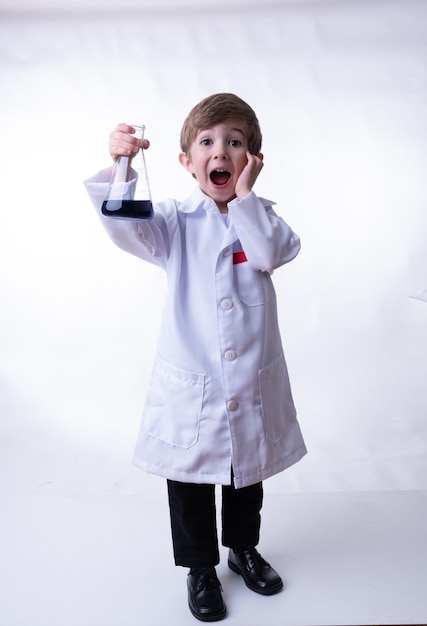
340,88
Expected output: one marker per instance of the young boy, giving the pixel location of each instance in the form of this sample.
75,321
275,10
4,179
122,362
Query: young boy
219,408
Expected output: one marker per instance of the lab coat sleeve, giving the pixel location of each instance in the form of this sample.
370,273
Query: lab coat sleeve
148,240
268,242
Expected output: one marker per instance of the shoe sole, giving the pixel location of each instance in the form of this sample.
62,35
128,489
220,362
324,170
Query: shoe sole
267,591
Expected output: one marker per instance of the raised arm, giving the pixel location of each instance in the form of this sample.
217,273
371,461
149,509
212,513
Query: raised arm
267,240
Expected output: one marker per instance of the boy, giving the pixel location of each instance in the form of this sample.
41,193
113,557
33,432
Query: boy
219,408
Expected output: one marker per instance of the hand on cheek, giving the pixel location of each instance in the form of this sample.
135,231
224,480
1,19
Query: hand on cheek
249,174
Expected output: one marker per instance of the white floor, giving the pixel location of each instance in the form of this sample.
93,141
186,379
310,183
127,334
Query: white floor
346,559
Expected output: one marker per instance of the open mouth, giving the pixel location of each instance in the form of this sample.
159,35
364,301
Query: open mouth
220,177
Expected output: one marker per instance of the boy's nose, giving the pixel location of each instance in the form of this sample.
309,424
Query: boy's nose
221,152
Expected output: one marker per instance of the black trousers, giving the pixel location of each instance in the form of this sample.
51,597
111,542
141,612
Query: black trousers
194,526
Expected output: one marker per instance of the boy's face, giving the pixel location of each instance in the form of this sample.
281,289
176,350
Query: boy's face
217,157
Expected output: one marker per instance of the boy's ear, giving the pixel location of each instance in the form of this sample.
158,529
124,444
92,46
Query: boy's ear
186,162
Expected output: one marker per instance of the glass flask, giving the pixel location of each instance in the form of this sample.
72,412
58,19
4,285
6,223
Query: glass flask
128,197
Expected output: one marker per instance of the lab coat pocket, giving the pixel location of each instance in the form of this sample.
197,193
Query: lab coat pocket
251,285
278,408
174,405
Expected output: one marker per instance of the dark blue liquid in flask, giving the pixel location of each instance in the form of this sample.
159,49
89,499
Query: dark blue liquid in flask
128,196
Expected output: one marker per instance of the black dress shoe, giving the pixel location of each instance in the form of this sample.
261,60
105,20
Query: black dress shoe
204,594
257,573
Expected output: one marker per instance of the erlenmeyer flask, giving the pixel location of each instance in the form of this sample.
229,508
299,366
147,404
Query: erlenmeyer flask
128,198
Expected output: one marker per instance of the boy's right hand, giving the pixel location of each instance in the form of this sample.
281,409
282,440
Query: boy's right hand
123,143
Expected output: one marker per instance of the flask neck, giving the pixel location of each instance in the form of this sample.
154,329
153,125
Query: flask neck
139,130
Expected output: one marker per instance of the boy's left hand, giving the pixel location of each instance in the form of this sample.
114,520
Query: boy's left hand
249,174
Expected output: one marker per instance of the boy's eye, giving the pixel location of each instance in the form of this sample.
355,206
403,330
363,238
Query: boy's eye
233,143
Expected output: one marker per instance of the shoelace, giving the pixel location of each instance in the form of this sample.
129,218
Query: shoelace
207,578
255,560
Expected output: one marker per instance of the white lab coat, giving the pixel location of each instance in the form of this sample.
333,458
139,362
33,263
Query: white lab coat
219,395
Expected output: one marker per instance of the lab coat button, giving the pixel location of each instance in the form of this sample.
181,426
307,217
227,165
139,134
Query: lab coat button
227,251
230,355
227,304
232,405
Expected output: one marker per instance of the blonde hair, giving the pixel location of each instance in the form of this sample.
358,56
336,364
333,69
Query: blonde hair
216,109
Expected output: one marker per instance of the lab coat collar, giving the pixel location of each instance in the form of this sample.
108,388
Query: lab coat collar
199,200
